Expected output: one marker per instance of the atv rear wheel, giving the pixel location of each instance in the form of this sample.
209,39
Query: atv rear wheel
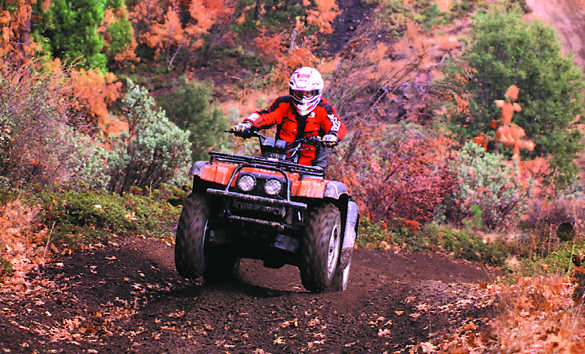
321,248
190,237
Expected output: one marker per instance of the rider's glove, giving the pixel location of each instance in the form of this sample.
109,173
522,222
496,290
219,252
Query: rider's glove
244,129
330,140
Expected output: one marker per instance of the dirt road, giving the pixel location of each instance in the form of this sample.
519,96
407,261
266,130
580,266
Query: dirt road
126,296
568,18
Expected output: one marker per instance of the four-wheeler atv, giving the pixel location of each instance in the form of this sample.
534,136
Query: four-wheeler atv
270,208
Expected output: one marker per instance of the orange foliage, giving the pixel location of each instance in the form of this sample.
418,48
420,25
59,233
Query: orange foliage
94,92
511,135
166,31
15,30
322,17
534,315
145,13
206,13
413,226
273,48
532,173
164,35
22,240
481,140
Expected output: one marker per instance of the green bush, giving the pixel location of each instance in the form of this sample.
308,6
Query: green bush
85,216
190,107
505,51
372,234
68,29
120,34
487,190
464,244
155,150
435,238
560,260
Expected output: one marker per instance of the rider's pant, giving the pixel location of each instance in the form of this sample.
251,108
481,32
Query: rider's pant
321,156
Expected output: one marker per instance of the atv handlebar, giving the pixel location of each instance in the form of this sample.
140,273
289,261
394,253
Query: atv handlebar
311,140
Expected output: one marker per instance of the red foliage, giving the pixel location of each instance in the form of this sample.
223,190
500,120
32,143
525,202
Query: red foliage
273,48
397,177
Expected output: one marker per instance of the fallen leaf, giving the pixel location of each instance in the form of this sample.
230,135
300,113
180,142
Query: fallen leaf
384,332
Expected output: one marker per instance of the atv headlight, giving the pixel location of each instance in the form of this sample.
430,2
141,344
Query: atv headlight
272,186
246,183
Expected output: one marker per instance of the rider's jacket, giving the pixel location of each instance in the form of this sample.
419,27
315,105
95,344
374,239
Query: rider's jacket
291,126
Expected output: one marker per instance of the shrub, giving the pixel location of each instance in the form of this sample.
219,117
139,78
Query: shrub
563,217
464,244
371,235
432,237
155,150
189,106
506,51
36,144
486,188
396,173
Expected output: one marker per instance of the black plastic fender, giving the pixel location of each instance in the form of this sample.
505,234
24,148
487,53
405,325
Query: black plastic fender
349,236
196,168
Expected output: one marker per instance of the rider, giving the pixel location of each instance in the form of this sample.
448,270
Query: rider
303,113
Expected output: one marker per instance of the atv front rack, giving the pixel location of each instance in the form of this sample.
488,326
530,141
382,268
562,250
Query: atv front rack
263,162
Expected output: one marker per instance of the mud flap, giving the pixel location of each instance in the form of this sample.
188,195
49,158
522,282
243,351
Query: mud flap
350,233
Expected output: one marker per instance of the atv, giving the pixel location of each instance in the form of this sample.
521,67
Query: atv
270,208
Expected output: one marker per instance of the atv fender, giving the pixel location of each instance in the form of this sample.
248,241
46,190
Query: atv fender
335,190
197,167
351,226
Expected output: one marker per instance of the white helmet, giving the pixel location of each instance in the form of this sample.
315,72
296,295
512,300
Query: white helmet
306,85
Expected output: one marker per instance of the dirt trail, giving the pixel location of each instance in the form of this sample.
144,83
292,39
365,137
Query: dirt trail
568,18
126,296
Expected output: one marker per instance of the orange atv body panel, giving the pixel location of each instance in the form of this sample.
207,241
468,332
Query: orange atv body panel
307,187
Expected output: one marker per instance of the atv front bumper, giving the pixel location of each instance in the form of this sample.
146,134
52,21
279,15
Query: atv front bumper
280,214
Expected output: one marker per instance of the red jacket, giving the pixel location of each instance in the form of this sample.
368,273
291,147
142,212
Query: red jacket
322,120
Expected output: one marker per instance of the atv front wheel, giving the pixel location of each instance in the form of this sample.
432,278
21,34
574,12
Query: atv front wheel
321,247
190,237
221,265
341,277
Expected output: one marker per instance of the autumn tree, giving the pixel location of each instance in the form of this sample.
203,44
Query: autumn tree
15,30
182,27
504,51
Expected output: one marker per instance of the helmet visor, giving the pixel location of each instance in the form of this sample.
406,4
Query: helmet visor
300,95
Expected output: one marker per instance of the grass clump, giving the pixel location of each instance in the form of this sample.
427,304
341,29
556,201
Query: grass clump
465,243
94,215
